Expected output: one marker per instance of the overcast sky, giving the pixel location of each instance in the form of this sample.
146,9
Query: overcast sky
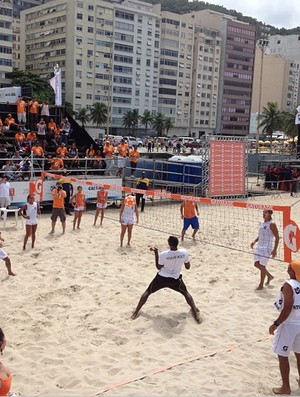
282,14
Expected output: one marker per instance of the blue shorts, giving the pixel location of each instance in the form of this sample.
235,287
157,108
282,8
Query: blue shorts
194,222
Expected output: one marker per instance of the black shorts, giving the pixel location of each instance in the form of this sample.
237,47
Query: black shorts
160,282
58,213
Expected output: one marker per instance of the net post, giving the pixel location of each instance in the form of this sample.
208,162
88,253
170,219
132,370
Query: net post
287,253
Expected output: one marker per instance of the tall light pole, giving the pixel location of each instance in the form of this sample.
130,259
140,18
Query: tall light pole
262,44
110,77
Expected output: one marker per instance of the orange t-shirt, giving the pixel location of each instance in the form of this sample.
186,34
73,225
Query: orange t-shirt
58,198
56,164
9,121
101,196
21,106
134,155
123,149
108,150
62,151
34,107
189,209
20,137
31,136
37,150
79,200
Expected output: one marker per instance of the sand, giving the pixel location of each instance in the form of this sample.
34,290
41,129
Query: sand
67,313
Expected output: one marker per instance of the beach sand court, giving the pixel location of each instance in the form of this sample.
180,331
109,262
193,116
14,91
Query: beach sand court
67,313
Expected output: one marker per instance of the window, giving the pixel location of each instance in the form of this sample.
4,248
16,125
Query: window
90,29
90,18
79,16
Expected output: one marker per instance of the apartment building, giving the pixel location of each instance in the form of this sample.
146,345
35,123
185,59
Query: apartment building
286,46
276,79
6,47
108,52
236,66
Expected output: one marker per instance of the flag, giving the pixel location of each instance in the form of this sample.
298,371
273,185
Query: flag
55,83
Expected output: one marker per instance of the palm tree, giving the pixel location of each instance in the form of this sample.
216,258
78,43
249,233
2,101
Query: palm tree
82,116
271,119
158,123
168,124
289,126
146,119
99,113
131,120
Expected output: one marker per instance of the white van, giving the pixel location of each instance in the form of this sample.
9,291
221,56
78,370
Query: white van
184,139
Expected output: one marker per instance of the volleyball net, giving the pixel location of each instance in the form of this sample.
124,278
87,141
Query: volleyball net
224,223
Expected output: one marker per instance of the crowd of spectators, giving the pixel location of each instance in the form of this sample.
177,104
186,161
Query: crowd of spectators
282,177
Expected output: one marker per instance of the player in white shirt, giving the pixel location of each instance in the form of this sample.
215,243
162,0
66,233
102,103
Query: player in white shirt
169,264
30,212
266,234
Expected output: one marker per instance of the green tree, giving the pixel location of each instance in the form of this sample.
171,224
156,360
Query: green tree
289,126
69,108
146,119
41,88
168,124
159,123
83,116
99,113
271,120
131,120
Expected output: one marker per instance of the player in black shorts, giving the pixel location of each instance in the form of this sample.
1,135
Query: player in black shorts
169,264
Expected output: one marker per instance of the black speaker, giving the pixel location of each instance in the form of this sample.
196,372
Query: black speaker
26,92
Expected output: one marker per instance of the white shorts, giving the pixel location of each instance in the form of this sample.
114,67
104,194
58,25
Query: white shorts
21,117
121,162
287,338
80,208
100,205
3,254
127,220
31,222
262,255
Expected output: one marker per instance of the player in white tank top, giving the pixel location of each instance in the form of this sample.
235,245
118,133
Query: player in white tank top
30,212
266,234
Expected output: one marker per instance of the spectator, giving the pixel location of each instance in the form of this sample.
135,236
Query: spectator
62,151
33,113
45,111
30,138
16,159
24,170
5,196
134,155
21,110
65,130
37,150
9,170
57,164
41,131
10,123
53,131
19,140
73,154
108,151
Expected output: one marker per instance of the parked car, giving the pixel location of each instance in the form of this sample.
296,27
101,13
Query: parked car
131,141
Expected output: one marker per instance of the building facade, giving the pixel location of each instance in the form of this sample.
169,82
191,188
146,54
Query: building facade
6,40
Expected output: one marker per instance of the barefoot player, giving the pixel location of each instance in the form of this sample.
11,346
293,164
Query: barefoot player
101,205
266,234
169,264
30,212
4,256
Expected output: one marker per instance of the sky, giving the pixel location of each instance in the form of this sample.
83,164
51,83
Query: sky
278,13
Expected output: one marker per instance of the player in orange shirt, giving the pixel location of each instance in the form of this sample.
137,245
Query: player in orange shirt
101,205
188,210
62,150
58,207
78,202
57,164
